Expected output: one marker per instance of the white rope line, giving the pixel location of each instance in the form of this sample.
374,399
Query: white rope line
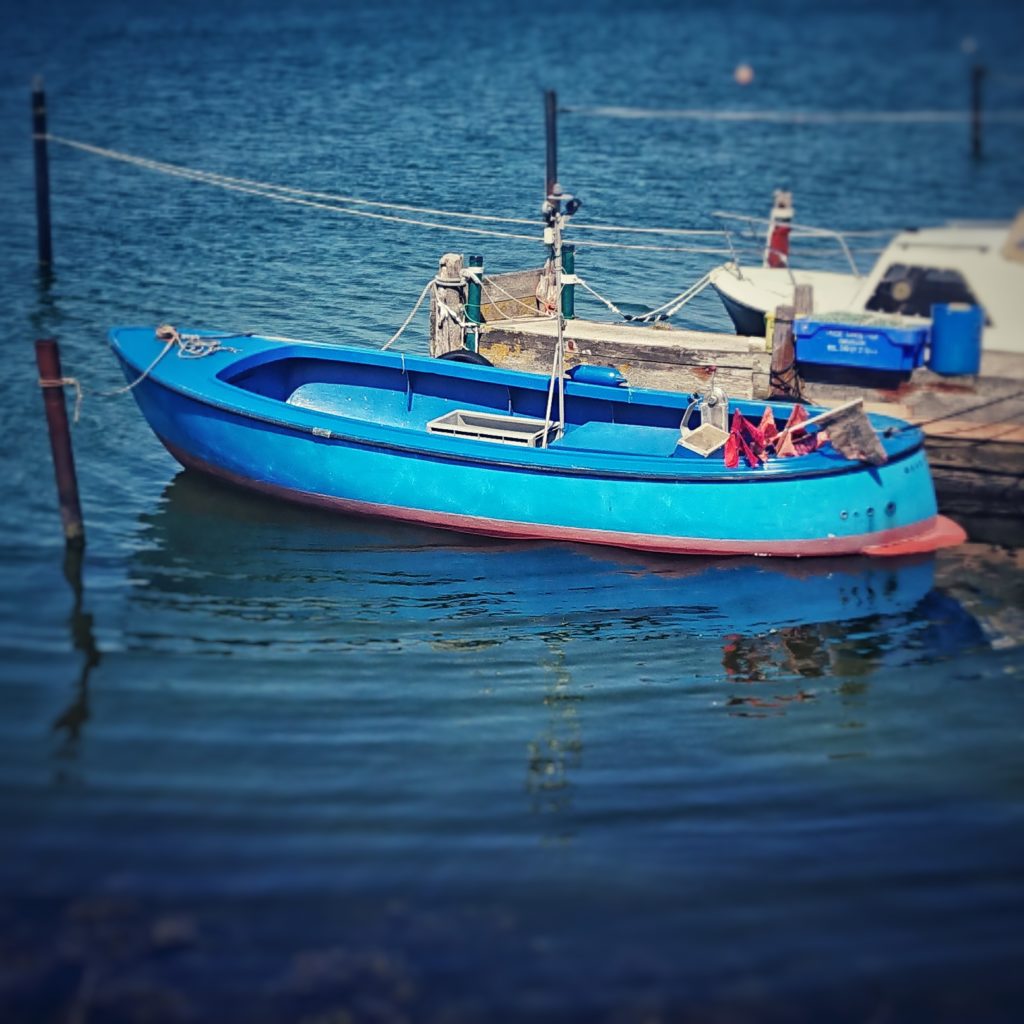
408,320
190,346
669,309
687,232
274,192
114,154
662,312
700,250
608,302
294,196
804,116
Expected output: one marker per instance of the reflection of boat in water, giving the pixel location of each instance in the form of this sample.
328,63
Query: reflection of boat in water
253,559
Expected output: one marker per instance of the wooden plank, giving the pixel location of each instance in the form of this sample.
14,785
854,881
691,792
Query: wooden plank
803,300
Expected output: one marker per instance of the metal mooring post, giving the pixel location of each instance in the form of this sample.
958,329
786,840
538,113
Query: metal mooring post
474,294
42,165
52,382
551,139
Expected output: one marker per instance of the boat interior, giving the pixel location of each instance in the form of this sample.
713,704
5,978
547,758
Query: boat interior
422,399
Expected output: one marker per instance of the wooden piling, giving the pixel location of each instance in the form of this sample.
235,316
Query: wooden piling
42,167
52,382
978,72
803,300
783,371
446,306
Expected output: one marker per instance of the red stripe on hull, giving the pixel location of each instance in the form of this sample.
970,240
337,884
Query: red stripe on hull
928,535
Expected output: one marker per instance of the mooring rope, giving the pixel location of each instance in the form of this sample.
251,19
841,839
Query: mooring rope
63,382
667,310
492,283
446,311
662,312
190,346
267,190
597,295
958,412
408,320
329,202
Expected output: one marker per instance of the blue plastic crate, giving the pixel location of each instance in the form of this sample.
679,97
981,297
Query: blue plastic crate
869,345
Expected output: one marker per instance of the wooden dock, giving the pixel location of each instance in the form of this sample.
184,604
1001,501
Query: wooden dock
974,424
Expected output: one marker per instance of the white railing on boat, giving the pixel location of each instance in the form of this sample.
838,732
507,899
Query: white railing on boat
805,231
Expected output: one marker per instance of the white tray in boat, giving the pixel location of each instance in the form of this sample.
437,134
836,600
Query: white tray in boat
705,440
495,427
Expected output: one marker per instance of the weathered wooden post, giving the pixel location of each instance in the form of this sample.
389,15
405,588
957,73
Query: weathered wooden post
474,292
446,306
803,300
978,72
52,381
783,369
569,281
42,165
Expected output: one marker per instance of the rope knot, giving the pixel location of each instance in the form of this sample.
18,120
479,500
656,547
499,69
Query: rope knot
62,382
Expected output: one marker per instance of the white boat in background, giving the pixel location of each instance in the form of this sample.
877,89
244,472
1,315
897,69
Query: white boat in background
977,263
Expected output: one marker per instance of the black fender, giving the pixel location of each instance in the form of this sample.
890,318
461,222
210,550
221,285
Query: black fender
463,355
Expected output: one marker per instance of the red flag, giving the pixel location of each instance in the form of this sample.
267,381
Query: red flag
785,449
796,417
749,454
732,452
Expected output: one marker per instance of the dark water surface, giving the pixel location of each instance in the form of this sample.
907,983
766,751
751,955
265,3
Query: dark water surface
267,765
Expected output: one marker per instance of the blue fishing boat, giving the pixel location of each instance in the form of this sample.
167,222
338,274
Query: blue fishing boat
477,449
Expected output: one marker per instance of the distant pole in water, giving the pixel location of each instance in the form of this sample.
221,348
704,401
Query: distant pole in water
551,136
52,382
978,72
42,165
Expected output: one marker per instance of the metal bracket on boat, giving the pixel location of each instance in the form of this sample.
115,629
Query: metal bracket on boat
710,434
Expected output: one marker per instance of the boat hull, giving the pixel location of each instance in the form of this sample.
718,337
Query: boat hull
913,539
747,320
480,488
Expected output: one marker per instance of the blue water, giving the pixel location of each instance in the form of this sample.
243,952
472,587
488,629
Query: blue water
268,765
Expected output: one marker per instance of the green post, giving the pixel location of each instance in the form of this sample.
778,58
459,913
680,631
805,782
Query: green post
569,290
474,293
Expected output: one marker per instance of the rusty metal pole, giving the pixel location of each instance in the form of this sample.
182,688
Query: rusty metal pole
51,380
42,164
